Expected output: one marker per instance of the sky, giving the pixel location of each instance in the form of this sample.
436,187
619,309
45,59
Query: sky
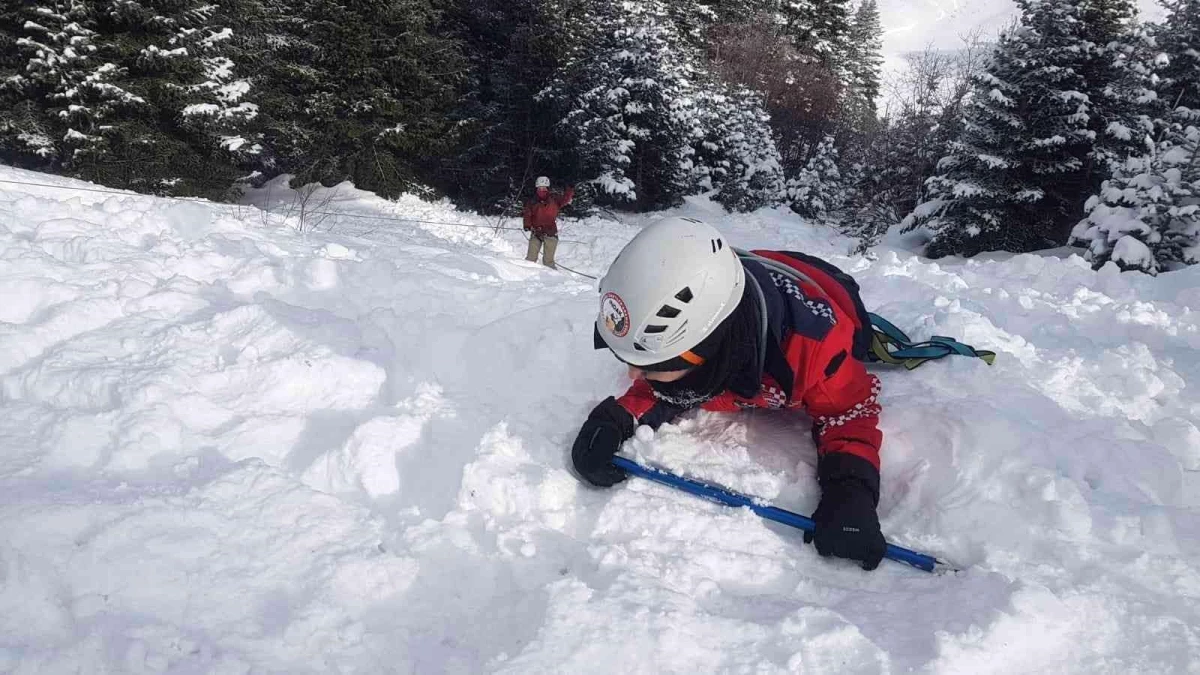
913,25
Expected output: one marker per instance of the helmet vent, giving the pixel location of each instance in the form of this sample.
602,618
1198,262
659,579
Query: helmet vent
638,348
655,329
684,296
717,245
677,335
667,312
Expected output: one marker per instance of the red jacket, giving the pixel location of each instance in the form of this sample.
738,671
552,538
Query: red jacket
541,216
815,354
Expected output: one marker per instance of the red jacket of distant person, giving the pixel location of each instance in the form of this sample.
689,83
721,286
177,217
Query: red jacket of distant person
541,213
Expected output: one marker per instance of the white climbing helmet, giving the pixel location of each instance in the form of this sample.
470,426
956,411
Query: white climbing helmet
542,182
670,286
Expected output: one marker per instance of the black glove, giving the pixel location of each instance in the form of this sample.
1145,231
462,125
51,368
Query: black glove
847,524
599,439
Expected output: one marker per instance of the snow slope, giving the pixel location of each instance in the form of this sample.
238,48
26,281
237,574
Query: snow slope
229,447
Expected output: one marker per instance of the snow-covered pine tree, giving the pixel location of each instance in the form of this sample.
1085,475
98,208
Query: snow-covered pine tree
628,108
224,113
154,64
1179,38
130,94
57,94
735,153
865,63
692,19
353,91
1121,79
1019,175
1147,216
34,57
818,190
1181,241
821,28
886,181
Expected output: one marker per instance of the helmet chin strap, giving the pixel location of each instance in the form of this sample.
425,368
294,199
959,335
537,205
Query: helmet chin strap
733,360
683,399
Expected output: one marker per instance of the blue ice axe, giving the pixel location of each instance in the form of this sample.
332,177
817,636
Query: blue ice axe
730,498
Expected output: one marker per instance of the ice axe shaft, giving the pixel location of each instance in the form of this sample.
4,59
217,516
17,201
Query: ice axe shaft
730,498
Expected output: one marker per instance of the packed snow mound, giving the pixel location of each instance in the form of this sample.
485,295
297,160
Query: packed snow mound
241,440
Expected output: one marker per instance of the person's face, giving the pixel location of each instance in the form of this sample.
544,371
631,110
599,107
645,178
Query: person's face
542,192
652,376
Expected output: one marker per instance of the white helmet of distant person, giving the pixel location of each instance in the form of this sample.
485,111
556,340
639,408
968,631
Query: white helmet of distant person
542,182
671,285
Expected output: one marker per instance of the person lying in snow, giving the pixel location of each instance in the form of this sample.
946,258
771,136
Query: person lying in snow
686,313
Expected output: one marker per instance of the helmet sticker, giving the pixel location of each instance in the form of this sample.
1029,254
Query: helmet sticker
615,315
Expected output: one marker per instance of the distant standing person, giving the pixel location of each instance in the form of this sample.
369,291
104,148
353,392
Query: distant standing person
541,220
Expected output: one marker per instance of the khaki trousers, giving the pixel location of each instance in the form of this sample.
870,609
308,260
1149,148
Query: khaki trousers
548,245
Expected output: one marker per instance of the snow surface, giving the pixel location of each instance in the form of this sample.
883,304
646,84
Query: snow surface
232,442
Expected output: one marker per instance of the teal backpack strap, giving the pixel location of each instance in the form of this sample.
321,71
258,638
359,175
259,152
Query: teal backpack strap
891,345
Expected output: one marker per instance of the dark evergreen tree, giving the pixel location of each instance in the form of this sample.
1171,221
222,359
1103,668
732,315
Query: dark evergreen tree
129,94
172,56
819,31
56,93
865,63
1179,38
357,92
1028,158
504,136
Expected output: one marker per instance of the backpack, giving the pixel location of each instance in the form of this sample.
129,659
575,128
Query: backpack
876,340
